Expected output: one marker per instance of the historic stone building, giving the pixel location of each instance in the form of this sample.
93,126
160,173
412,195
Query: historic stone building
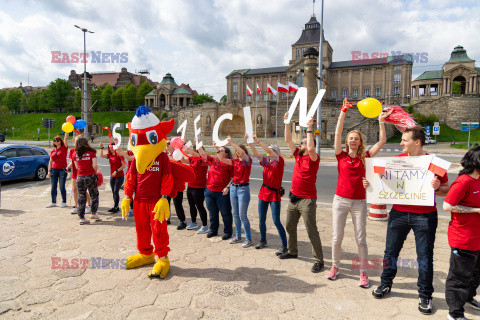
115,79
432,90
169,95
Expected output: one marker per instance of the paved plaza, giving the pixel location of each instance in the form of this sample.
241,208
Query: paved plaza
208,279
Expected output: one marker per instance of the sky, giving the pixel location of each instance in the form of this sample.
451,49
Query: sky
201,41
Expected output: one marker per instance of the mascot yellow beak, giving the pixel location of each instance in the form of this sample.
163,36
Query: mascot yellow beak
146,154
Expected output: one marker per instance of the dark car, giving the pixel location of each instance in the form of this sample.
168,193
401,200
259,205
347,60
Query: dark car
22,161
2,138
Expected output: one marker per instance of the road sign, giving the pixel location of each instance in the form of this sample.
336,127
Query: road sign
467,126
317,132
436,130
48,123
437,124
427,130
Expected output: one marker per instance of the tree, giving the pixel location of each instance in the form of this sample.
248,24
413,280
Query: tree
36,101
117,99
61,94
456,87
143,90
130,97
223,99
3,93
78,99
202,98
6,120
96,98
107,98
13,100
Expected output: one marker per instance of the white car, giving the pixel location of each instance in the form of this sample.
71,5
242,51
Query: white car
429,140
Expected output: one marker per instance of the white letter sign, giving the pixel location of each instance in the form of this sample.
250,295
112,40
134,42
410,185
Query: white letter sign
301,97
220,143
247,114
197,132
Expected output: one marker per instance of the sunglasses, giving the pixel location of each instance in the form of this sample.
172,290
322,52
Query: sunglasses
303,142
56,140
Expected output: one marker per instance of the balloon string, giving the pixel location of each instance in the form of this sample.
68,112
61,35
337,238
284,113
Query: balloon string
77,132
109,133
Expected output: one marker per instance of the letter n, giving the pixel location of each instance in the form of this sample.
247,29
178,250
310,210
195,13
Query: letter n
97,263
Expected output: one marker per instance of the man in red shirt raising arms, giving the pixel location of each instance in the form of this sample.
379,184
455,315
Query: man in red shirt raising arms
303,196
423,220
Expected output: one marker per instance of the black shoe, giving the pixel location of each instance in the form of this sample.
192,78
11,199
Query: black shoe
181,226
317,267
288,255
381,291
226,237
425,305
281,251
115,210
168,221
474,304
209,235
111,210
261,244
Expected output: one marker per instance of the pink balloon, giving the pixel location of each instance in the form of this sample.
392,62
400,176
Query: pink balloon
176,143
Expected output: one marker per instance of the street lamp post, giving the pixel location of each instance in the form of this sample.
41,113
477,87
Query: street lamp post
85,108
320,80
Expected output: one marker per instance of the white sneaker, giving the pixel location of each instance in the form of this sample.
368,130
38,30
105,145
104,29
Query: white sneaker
74,211
83,221
88,210
95,217
51,205
202,230
192,226
63,205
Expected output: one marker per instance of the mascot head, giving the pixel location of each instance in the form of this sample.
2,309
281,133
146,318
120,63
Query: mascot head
147,137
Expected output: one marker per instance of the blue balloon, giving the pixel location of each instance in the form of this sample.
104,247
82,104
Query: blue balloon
80,124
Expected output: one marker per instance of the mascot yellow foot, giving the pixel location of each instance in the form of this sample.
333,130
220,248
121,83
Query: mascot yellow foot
138,260
160,269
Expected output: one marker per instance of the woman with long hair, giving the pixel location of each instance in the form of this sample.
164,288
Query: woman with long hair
217,189
463,201
57,170
86,163
240,192
73,168
270,192
350,192
196,191
117,176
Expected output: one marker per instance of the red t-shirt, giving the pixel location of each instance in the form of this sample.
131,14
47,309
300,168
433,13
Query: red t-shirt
130,153
200,167
351,172
304,177
154,182
464,228
219,174
272,177
241,170
115,161
418,209
59,157
72,155
85,167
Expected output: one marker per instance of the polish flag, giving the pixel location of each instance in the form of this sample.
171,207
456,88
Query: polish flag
292,87
259,91
379,166
282,87
439,166
271,90
249,91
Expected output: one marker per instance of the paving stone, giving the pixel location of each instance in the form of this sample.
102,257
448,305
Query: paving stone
104,298
184,314
9,305
149,312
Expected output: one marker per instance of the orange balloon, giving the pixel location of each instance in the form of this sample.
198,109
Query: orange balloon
71,119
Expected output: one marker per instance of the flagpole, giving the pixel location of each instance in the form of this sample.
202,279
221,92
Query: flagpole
320,80
276,118
256,94
266,116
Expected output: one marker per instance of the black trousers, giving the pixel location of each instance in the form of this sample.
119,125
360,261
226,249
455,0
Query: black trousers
83,184
462,280
195,197
177,202
115,184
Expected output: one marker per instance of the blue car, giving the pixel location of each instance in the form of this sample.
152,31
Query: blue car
22,161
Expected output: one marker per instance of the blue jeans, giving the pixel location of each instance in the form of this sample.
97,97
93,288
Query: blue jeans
58,176
424,226
215,202
240,198
262,212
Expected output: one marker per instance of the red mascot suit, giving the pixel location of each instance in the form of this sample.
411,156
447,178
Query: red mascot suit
151,178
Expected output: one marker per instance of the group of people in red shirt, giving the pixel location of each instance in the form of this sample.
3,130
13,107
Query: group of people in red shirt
84,167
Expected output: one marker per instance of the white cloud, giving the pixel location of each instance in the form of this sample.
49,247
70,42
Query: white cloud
200,42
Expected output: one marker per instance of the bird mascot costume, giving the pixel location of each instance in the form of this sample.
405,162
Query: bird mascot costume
152,177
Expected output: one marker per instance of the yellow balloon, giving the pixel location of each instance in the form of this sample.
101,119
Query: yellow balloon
369,107
67,127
